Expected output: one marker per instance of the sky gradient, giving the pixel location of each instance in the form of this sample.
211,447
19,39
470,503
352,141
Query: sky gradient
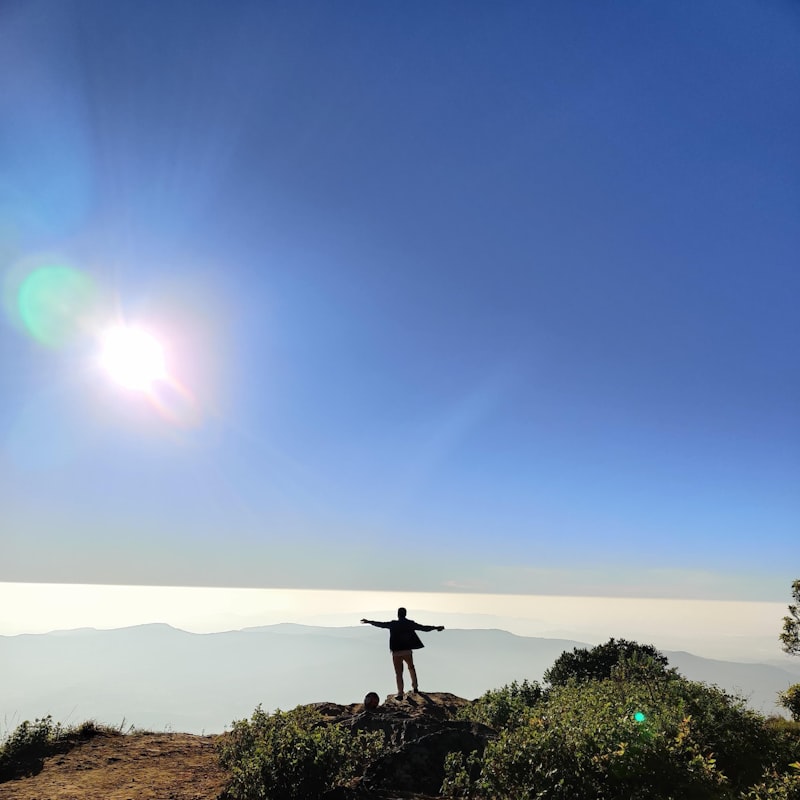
454,297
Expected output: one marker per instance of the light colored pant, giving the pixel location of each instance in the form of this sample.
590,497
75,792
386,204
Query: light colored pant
407,656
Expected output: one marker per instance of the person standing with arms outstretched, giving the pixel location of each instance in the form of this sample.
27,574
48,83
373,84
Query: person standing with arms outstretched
403,640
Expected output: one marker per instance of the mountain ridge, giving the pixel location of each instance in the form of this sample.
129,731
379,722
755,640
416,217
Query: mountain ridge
158,676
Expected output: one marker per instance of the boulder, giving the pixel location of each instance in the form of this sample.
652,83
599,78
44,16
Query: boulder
420,731
418,765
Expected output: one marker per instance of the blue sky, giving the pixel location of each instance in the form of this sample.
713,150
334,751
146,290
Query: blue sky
461,296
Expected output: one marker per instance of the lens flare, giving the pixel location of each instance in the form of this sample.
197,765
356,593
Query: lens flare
175,403
639,716
55,303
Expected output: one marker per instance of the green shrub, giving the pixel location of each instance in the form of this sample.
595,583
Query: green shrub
23,751
600,662
777,786
783,723
25,748
461,775
501,707
742,743
293,755
785,738
656,739
790,700
602,740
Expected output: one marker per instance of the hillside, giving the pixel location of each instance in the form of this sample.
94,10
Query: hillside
179,766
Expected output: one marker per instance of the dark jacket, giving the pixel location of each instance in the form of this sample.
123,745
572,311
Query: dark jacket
402,633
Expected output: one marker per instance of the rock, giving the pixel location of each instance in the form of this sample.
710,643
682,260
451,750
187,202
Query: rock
418,764
420,731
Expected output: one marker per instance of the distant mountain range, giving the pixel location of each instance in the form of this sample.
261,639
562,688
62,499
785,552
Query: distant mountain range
159,677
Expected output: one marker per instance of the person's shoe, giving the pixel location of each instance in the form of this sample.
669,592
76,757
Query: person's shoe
398,696
415,690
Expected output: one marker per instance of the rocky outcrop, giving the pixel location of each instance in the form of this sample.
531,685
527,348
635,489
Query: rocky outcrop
420,731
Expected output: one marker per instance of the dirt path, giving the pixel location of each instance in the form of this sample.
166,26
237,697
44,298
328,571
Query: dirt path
137,766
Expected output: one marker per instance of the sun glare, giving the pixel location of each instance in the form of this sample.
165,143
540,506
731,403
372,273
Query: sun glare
133,358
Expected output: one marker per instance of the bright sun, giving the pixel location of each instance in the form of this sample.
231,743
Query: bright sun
133,358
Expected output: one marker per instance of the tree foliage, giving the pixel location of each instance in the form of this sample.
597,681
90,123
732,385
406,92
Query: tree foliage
602,661
790,700
790,638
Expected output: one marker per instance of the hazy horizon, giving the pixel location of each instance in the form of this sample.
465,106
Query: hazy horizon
157,675
726,629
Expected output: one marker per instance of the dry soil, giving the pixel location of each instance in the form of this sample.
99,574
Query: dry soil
136,766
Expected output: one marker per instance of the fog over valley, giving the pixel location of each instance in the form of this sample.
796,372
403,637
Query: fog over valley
159,677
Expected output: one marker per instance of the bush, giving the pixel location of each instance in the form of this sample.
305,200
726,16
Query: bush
600,662
786,727
601,740
293,755
790,700
24,750
742,743
622,738
777,786
501,707
461,775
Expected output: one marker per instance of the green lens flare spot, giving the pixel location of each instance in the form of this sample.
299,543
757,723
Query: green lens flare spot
639,717
54,302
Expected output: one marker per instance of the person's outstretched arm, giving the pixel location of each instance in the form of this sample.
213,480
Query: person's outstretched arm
375,623
418,627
